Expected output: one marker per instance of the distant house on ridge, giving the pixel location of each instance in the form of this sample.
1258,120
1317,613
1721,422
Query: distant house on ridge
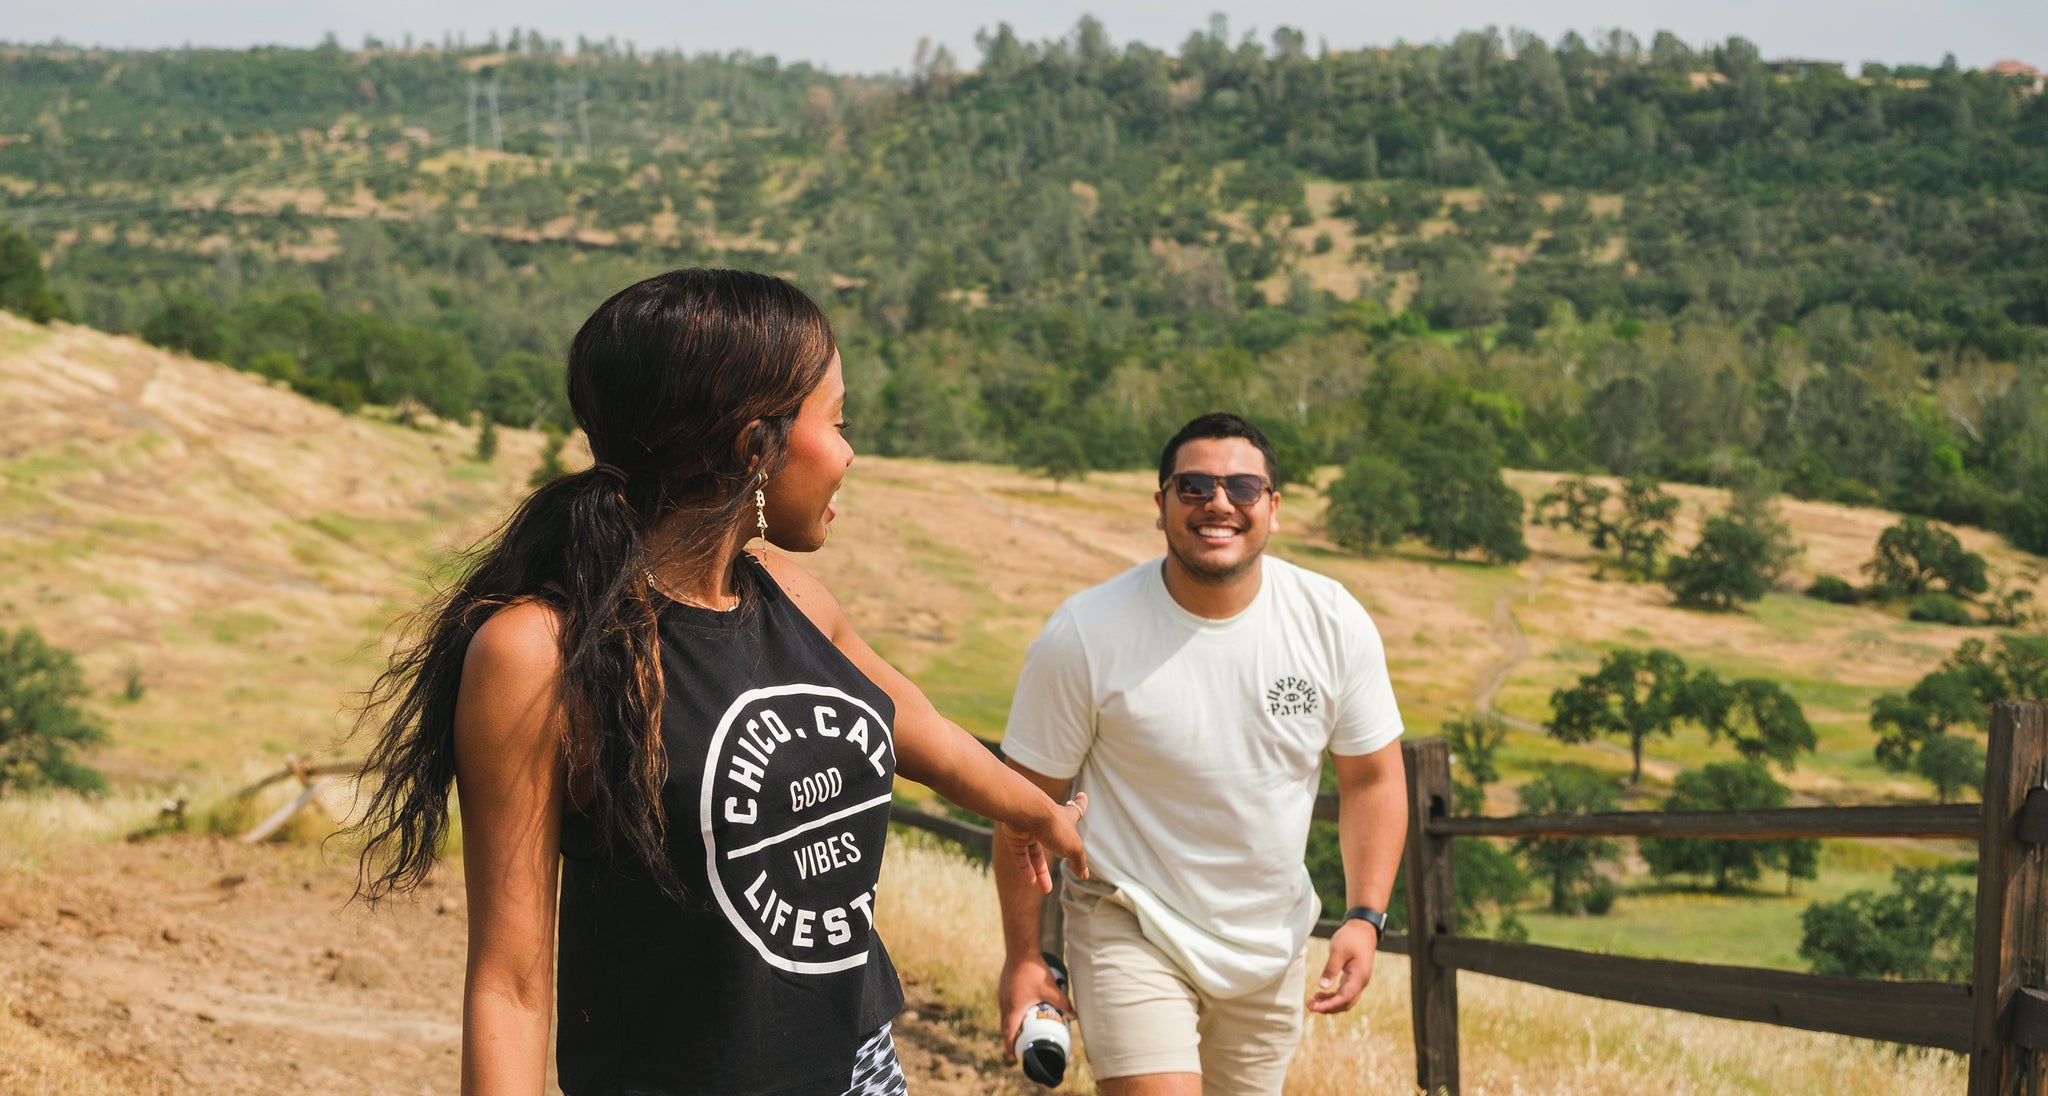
2034,79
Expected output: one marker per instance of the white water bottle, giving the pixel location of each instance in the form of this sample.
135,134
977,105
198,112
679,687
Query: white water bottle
1042,1044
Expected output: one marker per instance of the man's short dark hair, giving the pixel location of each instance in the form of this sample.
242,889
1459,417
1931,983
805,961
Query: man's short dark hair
1219,424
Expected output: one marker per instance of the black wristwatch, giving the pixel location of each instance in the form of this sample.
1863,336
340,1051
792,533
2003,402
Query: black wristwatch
1370,916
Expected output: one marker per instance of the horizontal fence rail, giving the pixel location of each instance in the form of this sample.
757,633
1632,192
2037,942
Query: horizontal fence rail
1927,1014
980,839
1958,821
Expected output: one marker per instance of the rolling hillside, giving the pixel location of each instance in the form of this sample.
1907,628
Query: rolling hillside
236,548
241,553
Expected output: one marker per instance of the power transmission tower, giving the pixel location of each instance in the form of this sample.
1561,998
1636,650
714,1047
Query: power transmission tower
561,93
474,91
497,132
567,92
583,114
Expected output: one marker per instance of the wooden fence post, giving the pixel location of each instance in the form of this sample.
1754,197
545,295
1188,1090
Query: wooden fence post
2012,908
1432,914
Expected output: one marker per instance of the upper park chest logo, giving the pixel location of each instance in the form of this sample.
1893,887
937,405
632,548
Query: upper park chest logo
1291,696
794,810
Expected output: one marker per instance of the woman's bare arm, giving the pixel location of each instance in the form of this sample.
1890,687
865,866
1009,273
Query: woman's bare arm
936,752
509,774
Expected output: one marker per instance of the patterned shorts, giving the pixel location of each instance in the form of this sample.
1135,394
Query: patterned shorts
876,1072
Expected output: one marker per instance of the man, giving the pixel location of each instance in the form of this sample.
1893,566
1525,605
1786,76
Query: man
1192,698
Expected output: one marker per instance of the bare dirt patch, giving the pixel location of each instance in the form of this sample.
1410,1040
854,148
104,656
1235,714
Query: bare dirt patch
192,964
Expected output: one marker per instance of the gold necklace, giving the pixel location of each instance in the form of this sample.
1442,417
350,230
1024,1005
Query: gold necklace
683,599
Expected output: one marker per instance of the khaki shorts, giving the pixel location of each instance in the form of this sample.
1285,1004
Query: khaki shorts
1139,1014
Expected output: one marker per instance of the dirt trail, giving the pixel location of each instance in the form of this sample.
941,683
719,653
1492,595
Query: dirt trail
1514,647
192,964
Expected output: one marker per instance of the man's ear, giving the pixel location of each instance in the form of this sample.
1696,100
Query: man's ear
1273,519
1159,502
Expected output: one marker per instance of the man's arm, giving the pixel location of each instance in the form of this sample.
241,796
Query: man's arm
1026,978
1372,825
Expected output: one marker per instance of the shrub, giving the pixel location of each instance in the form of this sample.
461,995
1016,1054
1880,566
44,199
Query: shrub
1600,895
1463,501
1489,881
40,717
1729,786
1570,866
1739,555
1372,505
1959,693
487,441
1939,608
1832,588
1922,929
1952,764
1053,449
2008,606
1912,556
551,467
24,288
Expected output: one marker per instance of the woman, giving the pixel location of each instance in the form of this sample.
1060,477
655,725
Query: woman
688,727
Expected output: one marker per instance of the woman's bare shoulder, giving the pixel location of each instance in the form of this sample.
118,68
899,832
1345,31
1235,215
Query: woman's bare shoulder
511,685
804,589
523,638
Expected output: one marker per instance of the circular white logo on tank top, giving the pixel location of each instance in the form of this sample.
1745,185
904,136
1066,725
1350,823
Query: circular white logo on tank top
789,772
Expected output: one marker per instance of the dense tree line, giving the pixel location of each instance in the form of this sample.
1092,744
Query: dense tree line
1644,259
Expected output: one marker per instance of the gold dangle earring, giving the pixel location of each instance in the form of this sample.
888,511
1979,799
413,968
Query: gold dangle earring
761,512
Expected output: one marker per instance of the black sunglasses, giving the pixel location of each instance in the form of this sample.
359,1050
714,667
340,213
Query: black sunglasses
1242,489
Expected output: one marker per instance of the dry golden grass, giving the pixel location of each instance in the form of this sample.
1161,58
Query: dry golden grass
938,913
33,1064
238,549
35,827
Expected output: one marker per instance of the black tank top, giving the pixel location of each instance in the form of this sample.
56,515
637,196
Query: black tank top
768,975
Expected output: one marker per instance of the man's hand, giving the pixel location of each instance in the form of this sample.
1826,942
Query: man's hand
1033,848
1026,981
1352,949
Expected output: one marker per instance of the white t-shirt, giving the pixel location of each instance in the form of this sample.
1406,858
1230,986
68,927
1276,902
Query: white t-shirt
1199,743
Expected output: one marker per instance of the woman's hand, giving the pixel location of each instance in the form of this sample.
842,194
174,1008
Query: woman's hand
1034,845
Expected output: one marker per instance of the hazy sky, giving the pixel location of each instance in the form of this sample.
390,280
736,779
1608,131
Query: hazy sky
880,35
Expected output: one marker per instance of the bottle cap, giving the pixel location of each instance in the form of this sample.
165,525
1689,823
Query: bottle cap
1045,1062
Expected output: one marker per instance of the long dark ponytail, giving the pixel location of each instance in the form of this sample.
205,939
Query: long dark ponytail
686,385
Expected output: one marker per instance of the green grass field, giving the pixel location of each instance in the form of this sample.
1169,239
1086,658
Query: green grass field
1758,926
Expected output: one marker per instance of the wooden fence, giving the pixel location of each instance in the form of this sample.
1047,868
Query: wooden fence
2000,1019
